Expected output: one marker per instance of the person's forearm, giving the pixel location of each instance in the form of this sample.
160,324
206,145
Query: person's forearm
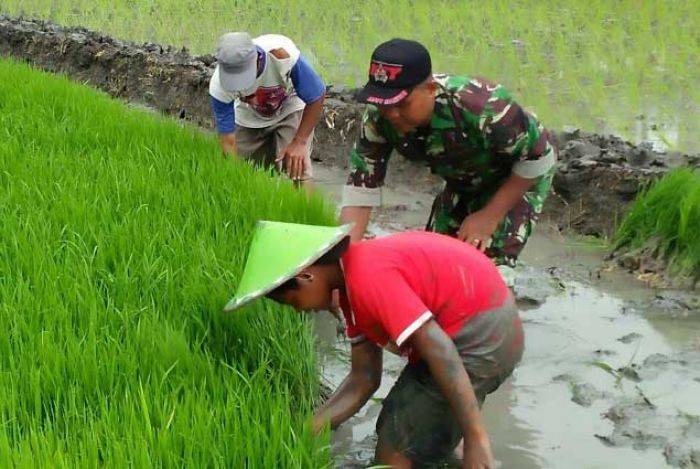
309,119
509,194
228,144
356,388
350,396
359,216
447,369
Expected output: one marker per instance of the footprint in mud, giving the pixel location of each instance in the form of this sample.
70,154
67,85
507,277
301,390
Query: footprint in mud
360,457
629,338
583,394
532,286
661,415
639,424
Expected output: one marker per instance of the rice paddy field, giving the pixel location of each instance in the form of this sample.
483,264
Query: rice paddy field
628,67
123,235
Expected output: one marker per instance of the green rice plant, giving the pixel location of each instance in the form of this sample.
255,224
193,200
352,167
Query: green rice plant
667,216
595,64
122,236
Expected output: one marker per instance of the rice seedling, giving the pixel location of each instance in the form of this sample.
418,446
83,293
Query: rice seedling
666,218
599,65
122,237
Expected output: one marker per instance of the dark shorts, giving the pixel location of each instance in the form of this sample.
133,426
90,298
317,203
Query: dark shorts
416,419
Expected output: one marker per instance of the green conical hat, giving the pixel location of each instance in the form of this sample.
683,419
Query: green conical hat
278,252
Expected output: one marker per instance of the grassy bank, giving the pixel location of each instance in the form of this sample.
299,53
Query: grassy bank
666,218
627,66
122,237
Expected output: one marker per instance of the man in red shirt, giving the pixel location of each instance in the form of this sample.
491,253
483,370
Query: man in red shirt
432,298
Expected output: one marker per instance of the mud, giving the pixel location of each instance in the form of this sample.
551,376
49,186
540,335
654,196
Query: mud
641,424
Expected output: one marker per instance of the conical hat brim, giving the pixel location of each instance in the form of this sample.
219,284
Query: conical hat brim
278,252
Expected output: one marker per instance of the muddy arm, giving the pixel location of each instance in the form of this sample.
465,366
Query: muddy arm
439,352
363,380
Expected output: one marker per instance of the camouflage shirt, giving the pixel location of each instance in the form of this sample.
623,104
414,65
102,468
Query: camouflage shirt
477,137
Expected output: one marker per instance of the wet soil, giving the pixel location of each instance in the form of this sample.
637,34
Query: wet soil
610,375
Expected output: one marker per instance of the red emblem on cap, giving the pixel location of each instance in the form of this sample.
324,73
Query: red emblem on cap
384,72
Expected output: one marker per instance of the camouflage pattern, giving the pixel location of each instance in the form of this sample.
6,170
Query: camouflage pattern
478,136
450,208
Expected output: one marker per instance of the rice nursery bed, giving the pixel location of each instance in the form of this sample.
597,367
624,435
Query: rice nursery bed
123,235
627,67
665,218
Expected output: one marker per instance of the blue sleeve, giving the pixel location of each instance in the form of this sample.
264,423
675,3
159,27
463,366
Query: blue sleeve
306,81
225,116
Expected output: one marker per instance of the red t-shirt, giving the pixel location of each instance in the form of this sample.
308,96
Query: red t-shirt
397,283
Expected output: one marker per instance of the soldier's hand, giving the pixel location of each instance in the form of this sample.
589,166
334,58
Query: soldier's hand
477,229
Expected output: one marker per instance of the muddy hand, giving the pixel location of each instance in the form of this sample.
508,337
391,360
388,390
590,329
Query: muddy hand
318,424
477,454
292,158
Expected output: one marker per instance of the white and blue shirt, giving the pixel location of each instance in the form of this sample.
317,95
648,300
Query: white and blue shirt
283,86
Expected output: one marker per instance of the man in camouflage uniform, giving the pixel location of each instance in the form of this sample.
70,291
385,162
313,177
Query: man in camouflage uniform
496,159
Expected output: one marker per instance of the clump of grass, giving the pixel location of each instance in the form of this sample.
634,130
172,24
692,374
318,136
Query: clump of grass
123,235
667,214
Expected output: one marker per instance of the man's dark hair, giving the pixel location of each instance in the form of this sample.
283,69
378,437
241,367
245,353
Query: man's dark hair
331,257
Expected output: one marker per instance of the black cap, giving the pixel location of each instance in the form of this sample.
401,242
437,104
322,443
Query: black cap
396,66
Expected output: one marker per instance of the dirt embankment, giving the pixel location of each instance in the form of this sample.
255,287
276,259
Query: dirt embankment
599,175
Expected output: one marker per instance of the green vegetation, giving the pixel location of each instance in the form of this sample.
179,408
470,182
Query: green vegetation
667,217
596,64
123,235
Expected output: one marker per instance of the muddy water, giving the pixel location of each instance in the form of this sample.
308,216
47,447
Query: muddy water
608,379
